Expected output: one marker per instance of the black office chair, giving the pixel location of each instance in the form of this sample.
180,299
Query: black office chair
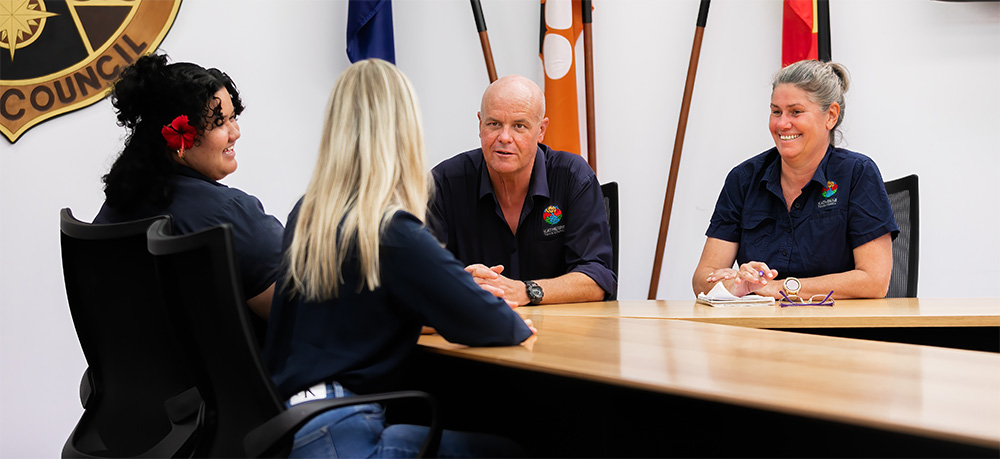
610,191
139,398
904,198
244,415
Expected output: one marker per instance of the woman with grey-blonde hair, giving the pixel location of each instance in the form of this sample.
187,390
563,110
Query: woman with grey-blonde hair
362,275
805,221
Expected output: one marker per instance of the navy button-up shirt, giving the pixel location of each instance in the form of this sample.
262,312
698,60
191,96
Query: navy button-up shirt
843,207
200,203
362,338
563,225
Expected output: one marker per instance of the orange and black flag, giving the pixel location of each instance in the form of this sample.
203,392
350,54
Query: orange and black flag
805,31
561,25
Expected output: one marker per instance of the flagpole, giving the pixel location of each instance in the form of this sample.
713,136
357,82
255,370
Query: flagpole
484,39
668,199
823,40
588,63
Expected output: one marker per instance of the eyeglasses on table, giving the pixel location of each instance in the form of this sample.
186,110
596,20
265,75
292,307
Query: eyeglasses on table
795,300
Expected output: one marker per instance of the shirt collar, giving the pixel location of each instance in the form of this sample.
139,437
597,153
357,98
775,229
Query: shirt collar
772,175
820,175
181,169
538,186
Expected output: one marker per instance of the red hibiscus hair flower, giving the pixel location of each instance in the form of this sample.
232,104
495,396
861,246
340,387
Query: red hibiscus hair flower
179,134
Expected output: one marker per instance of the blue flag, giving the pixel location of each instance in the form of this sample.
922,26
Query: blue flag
369,30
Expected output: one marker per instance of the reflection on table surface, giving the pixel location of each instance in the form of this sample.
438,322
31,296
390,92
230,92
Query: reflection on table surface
928,391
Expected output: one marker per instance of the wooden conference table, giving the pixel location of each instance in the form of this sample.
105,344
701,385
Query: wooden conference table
967,323
614,379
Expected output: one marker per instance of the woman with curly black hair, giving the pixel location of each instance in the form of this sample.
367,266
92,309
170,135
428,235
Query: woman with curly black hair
182,129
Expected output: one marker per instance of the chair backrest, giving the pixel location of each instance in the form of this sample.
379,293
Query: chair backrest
201,285
610,191
904,198
138,393
243,416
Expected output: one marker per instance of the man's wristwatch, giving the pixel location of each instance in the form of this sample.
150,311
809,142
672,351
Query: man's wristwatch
535,292
792,286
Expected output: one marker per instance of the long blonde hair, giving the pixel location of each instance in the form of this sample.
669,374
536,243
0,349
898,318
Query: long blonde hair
371,164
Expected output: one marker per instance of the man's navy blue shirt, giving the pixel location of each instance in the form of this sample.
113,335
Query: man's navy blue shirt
200,203
563,225
843,207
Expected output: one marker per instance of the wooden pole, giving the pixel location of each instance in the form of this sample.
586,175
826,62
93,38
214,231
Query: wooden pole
823,40
588,63
484,39
668,199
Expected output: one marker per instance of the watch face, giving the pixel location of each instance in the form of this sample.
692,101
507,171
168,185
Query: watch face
792,284
534,292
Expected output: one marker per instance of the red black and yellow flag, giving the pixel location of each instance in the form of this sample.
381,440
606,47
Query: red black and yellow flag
805,32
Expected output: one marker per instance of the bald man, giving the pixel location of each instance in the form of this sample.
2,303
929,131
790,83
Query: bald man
528,221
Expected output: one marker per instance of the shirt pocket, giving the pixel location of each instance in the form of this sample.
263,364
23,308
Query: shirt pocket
757,229
825,239
552,243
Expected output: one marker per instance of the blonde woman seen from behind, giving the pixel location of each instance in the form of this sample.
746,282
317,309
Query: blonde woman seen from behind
362,275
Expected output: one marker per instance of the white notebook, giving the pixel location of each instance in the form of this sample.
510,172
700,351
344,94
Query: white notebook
720,297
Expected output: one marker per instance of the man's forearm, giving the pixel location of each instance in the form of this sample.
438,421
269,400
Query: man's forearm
571,287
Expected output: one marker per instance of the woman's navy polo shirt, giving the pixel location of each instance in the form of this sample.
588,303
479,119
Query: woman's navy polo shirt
843,207
362,338
200,203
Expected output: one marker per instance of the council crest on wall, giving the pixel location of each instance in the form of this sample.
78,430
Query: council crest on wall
59,56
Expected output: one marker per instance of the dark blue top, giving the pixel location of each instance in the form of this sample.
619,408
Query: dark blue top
200,203
843,207
362,338
563,226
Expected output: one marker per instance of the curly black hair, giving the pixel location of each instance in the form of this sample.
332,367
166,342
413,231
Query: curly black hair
148,95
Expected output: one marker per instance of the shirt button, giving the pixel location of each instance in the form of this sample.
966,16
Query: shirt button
788,230
798,205
784,253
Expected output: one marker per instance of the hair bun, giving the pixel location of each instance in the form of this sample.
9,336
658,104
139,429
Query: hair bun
137,88
842,74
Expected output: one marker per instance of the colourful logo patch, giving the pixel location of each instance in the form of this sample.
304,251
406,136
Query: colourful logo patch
552,215
830,189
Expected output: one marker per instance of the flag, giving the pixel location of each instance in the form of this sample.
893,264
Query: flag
562,23
805,32
369,30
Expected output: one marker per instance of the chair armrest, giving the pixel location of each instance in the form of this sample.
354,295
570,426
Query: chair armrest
183,405
86,388
179,442
265,438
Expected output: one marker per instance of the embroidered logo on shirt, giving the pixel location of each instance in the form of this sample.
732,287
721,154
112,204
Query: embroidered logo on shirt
554,230
552,215
829,190
826,203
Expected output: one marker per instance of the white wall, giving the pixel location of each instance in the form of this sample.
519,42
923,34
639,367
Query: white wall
924,101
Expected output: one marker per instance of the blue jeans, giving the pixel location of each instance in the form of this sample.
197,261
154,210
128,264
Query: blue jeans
361,431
